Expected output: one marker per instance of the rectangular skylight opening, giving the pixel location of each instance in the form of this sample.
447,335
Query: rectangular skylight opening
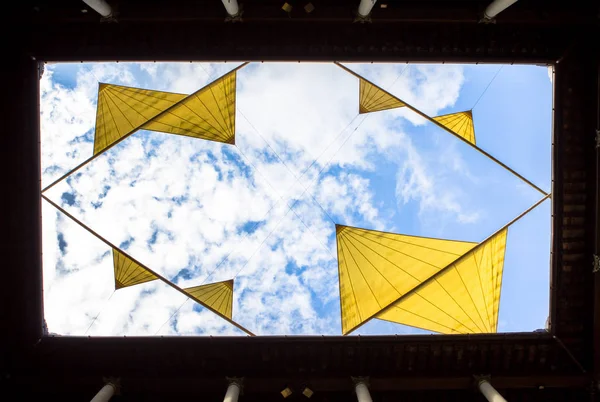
295,198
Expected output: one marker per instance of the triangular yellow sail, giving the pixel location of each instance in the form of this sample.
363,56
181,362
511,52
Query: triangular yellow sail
123,109
374,99
218,296
460,123
128,272
377,268
463,298
207,114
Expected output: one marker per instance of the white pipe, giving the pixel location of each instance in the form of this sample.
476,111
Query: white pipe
490,392
365,7
496,7
233,392
232,7
362,392
105,393
100,6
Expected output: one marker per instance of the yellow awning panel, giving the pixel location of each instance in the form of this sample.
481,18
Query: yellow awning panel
377,268
460,123
218,296
128,272
208,114
463,298
123,109
374,99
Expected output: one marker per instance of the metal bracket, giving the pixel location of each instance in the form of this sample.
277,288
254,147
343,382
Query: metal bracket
487,20
596,264
237,17
362,19
479,378
357,380
110,19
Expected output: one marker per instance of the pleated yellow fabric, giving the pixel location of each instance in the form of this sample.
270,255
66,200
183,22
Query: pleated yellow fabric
207,114
374,99
463,298
218,296
377,268
460,123
128,272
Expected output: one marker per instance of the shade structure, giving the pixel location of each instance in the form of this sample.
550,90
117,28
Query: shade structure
374,99
462,298
460,123
367,105
207,114
218,296
129,272
377,268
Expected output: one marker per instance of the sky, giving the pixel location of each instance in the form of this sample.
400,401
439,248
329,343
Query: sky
263,211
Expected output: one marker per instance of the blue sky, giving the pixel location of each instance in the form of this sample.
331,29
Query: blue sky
200,212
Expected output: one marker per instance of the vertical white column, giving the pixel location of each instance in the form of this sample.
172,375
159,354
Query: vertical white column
233,391
232,7
105,393
490,392
365,7
362,391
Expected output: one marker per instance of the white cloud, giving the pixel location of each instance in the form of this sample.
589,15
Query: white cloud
429,184
185,206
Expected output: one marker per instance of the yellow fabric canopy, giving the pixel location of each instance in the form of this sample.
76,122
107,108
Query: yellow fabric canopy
128,272
377,268
123,109
374,99
463,298
460,123
207,114
218,296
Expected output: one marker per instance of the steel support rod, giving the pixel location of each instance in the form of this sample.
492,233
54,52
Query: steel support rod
489,392
105,393
232,7
496,7
233,390
365,7
101,7
361,389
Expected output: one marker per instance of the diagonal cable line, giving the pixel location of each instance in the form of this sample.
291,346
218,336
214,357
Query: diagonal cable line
286,166
488,86
285,193
101,310
320,171
281,197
